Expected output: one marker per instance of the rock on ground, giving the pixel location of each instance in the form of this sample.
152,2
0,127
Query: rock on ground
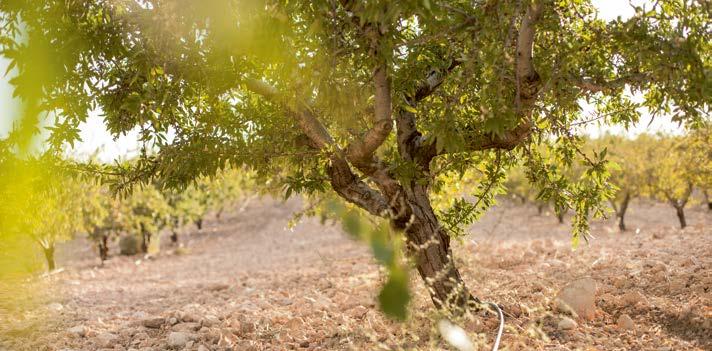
567,324
177,340
579,296
625,322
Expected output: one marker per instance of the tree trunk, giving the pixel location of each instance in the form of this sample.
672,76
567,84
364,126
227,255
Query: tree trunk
174,238
540,208
49,257
560,216
145,239
681,216
104,248
621,212
708,200
199,223
429,248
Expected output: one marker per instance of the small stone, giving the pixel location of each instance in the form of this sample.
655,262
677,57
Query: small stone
173,321
358,312
55,306
246,328
304,344
177,340
203,348
579,296
625,322
632,298
106,339
154,323
567,324
217,287
186,327
79,330
210,321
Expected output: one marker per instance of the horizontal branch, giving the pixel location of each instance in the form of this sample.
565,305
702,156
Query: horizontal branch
507,140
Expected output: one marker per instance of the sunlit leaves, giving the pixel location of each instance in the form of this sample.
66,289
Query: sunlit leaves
385,245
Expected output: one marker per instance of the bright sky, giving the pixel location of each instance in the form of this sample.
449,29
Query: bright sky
95,136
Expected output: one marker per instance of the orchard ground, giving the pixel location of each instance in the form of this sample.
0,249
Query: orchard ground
248,283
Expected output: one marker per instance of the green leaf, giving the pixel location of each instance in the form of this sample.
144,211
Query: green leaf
395,295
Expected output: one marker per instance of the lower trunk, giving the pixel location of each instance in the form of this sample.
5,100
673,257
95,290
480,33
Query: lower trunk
540,208
708,200
681,216
429,247
199,223
218,214
145,239
174,238
622,211
104,248
560,216
49,257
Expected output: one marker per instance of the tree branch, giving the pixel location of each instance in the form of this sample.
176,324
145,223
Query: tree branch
343,180
525,42
360,151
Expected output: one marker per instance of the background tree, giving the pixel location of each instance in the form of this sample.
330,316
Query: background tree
104,215
364,99
53,214
149,213
671,178
698,155
633,160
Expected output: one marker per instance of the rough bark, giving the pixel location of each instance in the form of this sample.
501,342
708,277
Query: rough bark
49,257
429,248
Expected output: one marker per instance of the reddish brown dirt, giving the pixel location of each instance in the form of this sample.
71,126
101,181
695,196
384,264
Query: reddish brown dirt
251,284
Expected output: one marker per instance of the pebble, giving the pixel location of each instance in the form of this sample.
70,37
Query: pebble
55,306
625,322
186,327
567,324
79,330
203,348
177,340
106,339
579,296
632,298
210,321
155,322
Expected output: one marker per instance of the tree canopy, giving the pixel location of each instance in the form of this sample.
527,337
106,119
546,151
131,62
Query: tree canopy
374,100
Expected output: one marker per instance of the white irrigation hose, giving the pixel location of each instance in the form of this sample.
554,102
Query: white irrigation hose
495,347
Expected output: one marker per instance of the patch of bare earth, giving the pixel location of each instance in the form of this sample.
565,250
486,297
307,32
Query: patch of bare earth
248,283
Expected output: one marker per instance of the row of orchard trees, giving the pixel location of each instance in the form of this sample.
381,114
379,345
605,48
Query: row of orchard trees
661,167
68,203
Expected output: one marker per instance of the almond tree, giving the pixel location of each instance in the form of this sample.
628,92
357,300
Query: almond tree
362,99
671,176
634,159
